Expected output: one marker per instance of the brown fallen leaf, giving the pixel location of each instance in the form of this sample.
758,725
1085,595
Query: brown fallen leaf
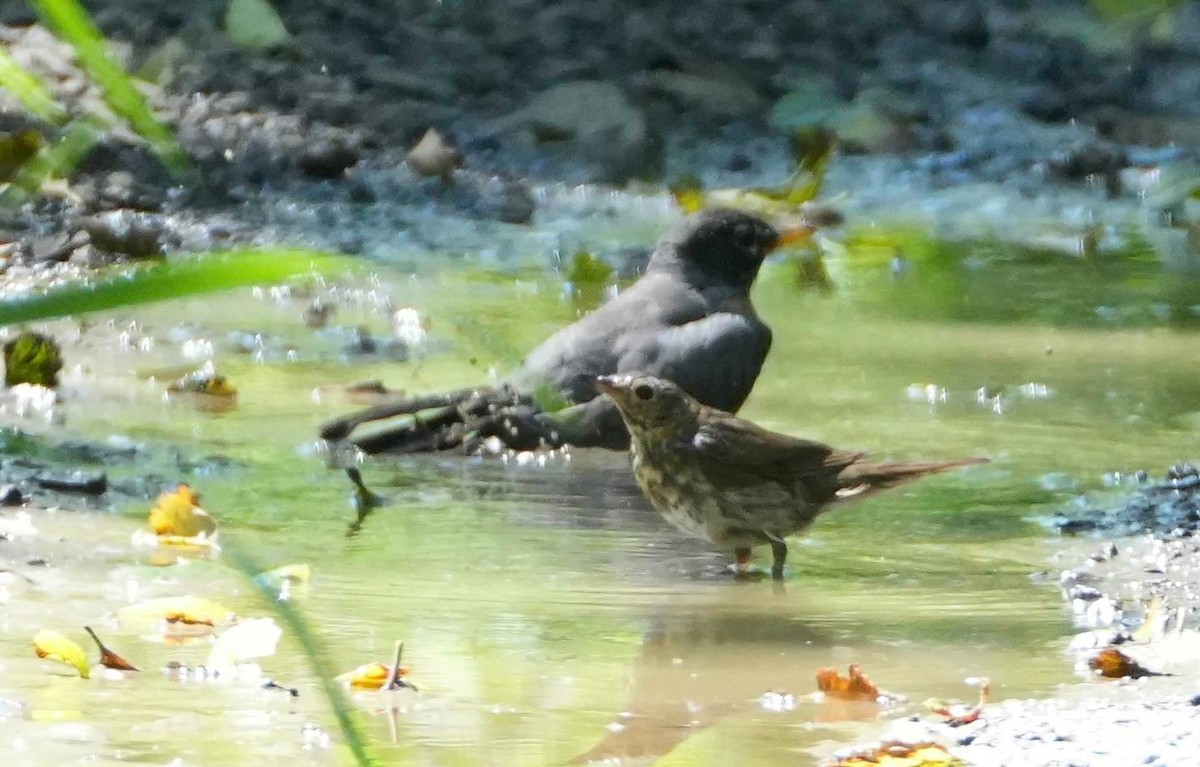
108,658
851,698
1111,663
958,715
854,686
895,753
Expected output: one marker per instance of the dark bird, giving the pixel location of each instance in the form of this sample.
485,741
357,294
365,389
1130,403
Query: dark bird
732,483
688,318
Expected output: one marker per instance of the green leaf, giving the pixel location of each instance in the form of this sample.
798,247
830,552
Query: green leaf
588,270
812,146
174,279
549,398
32,358
254,25
348,718
69,20
57,159
16,150
29,90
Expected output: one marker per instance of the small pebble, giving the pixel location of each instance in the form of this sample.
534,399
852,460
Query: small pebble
11,495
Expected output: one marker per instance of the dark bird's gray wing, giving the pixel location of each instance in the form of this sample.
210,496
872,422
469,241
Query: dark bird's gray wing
716,359
598,343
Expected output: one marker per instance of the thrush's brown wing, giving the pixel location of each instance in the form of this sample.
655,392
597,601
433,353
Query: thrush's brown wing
734,452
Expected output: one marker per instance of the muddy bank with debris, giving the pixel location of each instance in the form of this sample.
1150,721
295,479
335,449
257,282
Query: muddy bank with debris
1130,579
961,118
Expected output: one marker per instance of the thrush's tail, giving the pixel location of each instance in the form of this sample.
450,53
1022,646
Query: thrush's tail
862,479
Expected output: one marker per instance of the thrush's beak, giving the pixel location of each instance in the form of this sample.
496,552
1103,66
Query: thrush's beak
616,387
792,235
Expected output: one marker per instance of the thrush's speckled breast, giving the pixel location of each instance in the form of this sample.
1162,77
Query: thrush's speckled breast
732,483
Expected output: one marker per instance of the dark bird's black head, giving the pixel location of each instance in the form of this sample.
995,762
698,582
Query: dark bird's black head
724,245
651,405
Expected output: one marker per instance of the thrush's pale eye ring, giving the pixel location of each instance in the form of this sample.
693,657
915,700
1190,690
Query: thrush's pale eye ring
643,391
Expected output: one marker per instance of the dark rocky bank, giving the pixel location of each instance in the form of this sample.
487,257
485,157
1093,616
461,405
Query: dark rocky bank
933,94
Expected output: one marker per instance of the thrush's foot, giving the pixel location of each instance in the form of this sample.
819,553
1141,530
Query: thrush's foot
365,501
742,569
741,561
779,556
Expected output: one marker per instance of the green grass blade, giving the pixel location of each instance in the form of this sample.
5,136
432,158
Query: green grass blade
343,711
29,90
69,20
175,279
58,160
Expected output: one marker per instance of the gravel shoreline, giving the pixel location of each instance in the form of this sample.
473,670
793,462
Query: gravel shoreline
1133,592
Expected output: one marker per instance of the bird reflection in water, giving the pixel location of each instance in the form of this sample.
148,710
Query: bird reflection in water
738,658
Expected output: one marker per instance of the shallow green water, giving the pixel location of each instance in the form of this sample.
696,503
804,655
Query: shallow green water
547,613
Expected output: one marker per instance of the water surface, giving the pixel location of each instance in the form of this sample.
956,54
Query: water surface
548,614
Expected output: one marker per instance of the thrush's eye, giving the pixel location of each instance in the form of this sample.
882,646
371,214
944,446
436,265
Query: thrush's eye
643,391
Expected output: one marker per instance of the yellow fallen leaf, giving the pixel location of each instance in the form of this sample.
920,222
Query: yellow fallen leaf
690,199
254,638
190,610
204,389
898,754
52,645
1155,623
179,514
813,150
199,545
371,676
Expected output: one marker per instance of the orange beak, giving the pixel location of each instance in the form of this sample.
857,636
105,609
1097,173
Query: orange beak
793,235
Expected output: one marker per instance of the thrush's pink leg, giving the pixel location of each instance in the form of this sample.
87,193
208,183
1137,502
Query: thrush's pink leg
743,560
